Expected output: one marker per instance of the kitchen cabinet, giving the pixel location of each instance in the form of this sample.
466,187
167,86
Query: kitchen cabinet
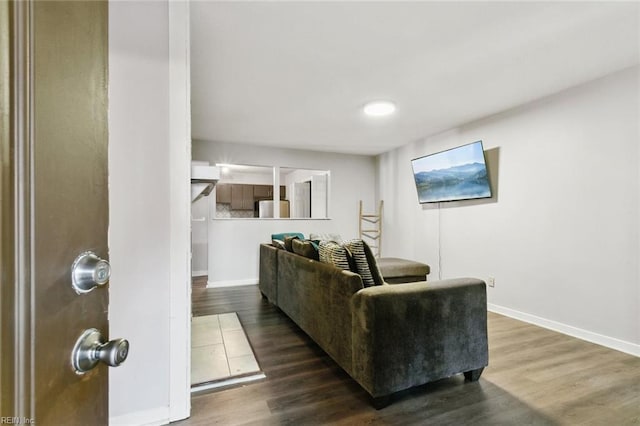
241,197
265,192
223,193
262,191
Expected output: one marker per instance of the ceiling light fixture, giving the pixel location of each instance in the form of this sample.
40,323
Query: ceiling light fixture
379,108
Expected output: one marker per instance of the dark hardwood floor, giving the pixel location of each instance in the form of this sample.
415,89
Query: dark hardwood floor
535,377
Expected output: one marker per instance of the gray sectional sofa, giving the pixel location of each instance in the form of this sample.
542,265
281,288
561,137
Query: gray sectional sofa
387,337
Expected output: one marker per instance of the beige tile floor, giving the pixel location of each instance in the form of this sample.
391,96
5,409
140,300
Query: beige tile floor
219,349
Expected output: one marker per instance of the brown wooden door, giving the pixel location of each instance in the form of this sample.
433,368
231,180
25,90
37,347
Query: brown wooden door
58,163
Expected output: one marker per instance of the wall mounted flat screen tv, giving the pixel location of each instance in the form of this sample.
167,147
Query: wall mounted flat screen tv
456,174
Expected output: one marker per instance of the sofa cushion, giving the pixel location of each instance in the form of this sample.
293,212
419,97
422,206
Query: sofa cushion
277,240
393,267
278,244
334,254
326,237
376,274
357,250
305,248
288,242
281,235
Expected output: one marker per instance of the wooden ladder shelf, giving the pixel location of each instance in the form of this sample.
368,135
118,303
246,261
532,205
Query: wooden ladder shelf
370,229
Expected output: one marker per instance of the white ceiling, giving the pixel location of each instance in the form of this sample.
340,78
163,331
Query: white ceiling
295,74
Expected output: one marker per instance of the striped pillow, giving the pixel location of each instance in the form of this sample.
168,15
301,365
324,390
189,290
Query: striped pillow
373,265
334,254
356,248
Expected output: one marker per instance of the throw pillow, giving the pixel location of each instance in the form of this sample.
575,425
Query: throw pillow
305,248
278,244
288,242
326,237
356,247
282,235
334,254
373,264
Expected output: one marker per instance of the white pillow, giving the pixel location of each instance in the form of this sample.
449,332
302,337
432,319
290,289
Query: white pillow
326,237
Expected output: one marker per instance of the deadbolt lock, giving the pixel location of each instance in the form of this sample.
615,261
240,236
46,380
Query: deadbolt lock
88,272
91,348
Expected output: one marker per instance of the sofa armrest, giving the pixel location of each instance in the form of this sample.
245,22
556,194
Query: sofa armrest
410,334
267,281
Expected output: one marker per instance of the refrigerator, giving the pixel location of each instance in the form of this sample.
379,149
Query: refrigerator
264,208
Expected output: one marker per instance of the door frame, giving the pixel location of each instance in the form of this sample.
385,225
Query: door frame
180,210
16,215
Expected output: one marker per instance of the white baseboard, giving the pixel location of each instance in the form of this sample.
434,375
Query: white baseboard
589,336
232,283
199,273
154,417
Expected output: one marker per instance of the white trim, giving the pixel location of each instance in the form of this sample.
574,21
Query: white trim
589,336
232,283
228,382
153,417
202,273
180,212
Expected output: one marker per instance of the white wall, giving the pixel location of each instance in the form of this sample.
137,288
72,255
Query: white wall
139,198
561,236
235,177
301,175
234,243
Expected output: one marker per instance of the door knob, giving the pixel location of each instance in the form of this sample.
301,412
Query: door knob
91,348
88,272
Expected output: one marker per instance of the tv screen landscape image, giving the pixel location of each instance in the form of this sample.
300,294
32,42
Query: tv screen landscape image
456,174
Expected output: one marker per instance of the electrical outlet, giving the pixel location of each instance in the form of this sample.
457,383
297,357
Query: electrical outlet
491,282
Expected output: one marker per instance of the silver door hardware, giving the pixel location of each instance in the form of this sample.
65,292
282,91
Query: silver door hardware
88,272
92,348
